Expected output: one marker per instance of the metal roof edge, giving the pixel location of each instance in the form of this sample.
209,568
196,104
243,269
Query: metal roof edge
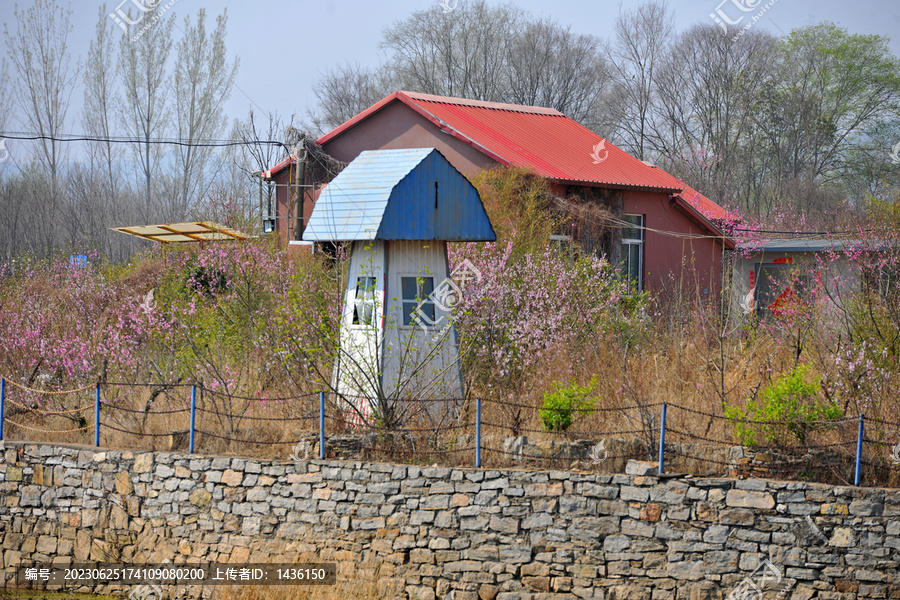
353,121
612,185
520,108
278,167
695,215
812,245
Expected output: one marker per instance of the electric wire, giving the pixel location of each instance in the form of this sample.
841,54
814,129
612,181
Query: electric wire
222,143
72,137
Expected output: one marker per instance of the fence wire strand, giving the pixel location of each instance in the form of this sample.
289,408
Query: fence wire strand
420,442
144,412
40,430
47,392
51,412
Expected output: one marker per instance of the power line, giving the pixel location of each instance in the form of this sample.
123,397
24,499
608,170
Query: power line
223,143
71,137
801,233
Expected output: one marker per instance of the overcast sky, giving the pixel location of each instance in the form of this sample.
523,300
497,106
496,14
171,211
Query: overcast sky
283,46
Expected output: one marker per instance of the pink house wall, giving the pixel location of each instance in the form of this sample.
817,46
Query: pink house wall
683,266
397,126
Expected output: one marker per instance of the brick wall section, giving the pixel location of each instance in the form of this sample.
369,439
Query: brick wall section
452,532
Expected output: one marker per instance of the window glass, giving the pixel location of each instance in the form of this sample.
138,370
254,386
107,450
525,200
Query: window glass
635,232
416,299
633,250
364,305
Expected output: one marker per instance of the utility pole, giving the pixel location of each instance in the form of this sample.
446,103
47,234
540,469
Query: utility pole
299,188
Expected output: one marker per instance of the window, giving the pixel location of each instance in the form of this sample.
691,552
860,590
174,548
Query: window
563,243
364,304
417,303
633,250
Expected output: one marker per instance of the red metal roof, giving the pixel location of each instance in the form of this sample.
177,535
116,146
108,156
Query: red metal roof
271,172
542,138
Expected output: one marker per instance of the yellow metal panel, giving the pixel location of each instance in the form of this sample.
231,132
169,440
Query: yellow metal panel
196,231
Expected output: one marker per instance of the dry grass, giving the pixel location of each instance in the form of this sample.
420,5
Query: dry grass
678,360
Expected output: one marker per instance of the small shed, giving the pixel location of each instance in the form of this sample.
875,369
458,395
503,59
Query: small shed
770,276
398,208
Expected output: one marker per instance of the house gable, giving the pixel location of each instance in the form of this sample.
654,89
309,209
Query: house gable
395,126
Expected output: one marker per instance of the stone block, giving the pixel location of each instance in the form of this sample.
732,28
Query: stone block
641,468
749,499
842,537
516,554
865,508
538,584
630,493
232,478
420,592
616,543
143,462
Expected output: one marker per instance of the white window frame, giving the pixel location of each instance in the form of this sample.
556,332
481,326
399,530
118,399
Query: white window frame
415,302
627,242
366,299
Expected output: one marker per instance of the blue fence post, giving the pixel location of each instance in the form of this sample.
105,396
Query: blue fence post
97,416
478,432
2,403
322,425
662,439
859,441
193,416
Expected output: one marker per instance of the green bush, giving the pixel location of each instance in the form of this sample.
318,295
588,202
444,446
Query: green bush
561,404
794,406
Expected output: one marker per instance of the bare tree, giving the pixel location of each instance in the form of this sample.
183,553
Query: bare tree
6,101
706,93
239,197
643,36
256,153
145,116
345,91
495,53
9,204
203,81
462,53
100,97
550,66
40,55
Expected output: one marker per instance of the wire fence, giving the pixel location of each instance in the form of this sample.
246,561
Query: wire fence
677,439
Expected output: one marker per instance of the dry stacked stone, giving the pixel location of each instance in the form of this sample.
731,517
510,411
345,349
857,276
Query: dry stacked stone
459,533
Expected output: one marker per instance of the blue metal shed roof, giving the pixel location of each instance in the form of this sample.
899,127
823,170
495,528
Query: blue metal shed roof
803,245
410,194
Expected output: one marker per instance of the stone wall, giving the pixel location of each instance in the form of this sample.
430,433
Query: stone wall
455,532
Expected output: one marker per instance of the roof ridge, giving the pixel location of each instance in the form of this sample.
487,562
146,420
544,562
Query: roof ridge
520,108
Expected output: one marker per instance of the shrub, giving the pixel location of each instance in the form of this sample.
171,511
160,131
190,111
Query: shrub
563,401
789,406
207,281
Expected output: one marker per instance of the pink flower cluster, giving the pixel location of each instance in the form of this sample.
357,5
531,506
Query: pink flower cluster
522,311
